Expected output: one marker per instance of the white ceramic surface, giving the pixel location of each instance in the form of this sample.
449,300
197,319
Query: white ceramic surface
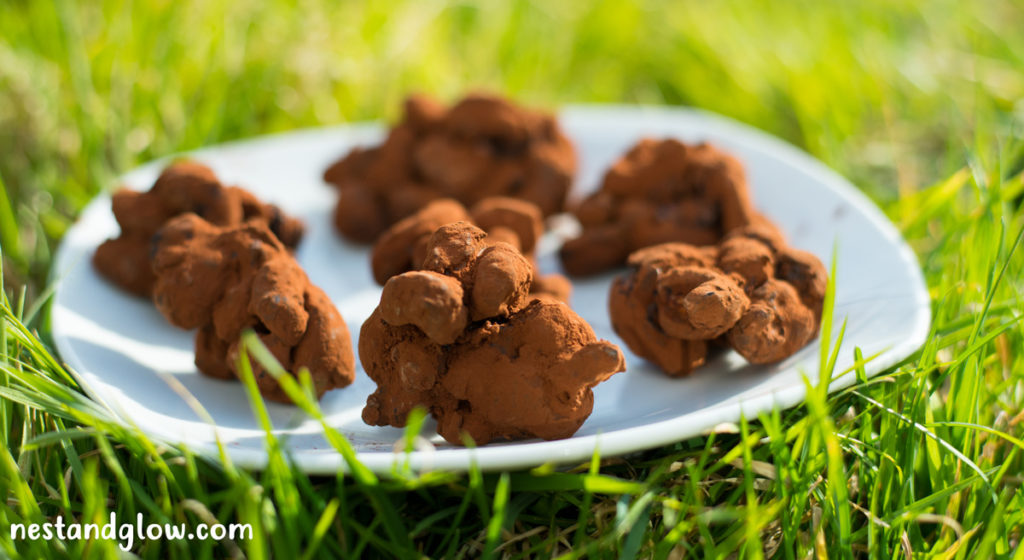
128,357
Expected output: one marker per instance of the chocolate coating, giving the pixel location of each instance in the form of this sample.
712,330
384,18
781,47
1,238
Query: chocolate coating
402,247
518,368
223,280
184,186
506,221
752,291
483,146
658,192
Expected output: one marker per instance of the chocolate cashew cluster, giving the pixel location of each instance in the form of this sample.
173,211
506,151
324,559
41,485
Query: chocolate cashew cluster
483,146
222,280
658,192
184,186
751,292
403,247
462,338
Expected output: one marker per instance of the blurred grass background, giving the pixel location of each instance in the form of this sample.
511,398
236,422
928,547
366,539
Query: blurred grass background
921,104
889,93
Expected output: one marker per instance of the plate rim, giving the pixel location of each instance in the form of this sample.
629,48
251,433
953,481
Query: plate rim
515,456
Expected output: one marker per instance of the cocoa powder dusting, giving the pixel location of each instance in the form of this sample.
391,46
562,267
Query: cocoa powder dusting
184,186
660,191
752,291
483,146
506,221
223,280
463,338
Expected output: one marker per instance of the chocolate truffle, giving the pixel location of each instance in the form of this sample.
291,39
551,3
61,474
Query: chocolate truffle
403,246
752,292
481,147
184,186
223,280
658,192
463,338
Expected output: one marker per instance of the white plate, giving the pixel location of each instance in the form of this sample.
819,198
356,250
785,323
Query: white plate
123,351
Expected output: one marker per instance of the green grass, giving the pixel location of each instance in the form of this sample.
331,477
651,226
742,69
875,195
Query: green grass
920,104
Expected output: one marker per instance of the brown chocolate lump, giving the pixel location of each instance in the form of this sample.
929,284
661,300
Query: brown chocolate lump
506,221
658,192
463,338
481,147
751,291
184,186
223,280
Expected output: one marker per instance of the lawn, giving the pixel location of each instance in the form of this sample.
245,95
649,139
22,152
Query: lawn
920,104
